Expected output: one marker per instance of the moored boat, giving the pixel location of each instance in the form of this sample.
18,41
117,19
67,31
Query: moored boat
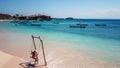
77,26
82,24
100,24
35,24
56,23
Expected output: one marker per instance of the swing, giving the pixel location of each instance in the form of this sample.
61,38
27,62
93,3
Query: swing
34,53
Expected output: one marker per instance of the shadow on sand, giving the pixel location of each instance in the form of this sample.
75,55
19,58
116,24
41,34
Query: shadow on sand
31,65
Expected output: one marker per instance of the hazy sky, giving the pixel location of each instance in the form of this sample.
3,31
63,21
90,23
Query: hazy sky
63,8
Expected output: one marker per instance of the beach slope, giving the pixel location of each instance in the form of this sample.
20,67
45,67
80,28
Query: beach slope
10,61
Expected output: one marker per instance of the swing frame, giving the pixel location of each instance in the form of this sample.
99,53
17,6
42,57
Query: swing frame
43,52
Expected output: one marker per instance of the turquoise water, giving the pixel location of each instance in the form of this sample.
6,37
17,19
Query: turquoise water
98,42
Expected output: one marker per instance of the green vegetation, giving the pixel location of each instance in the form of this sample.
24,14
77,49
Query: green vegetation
21,17
5,16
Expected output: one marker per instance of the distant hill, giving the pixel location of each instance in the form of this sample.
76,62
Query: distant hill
5,16
32,17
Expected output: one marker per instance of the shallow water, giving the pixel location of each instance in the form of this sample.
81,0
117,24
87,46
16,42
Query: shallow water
102,43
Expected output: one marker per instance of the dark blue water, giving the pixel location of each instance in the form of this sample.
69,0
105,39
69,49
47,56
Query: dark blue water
111,31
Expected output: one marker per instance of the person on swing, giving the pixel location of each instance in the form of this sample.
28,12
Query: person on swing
35,56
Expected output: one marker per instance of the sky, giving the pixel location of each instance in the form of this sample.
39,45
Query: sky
103,9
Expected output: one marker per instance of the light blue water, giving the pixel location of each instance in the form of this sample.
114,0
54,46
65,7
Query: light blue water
98,42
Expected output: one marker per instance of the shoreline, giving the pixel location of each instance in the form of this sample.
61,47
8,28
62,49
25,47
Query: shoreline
57,57
2,20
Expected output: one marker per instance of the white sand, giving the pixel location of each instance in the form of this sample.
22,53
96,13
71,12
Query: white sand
57,57
5,20
4,58
9,61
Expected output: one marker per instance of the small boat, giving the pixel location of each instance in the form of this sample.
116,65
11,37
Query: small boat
100,24
56,23
70,18
15,24
80,26
35,24
24,21
14,21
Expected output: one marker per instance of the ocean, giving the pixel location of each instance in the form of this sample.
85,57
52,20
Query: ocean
100,42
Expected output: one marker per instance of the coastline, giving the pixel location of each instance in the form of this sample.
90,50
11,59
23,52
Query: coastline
57,57
2,20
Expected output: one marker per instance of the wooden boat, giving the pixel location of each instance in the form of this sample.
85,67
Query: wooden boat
100,24
35,24
14,21
70,18
24,21
56,23
80,26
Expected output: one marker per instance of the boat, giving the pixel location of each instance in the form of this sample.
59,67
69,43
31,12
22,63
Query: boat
82,24
56,23
35,24
70,18
14,21
24,21
100,24
77,26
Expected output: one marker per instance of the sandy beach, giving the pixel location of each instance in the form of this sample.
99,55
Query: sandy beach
57,57
10,61
5,20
